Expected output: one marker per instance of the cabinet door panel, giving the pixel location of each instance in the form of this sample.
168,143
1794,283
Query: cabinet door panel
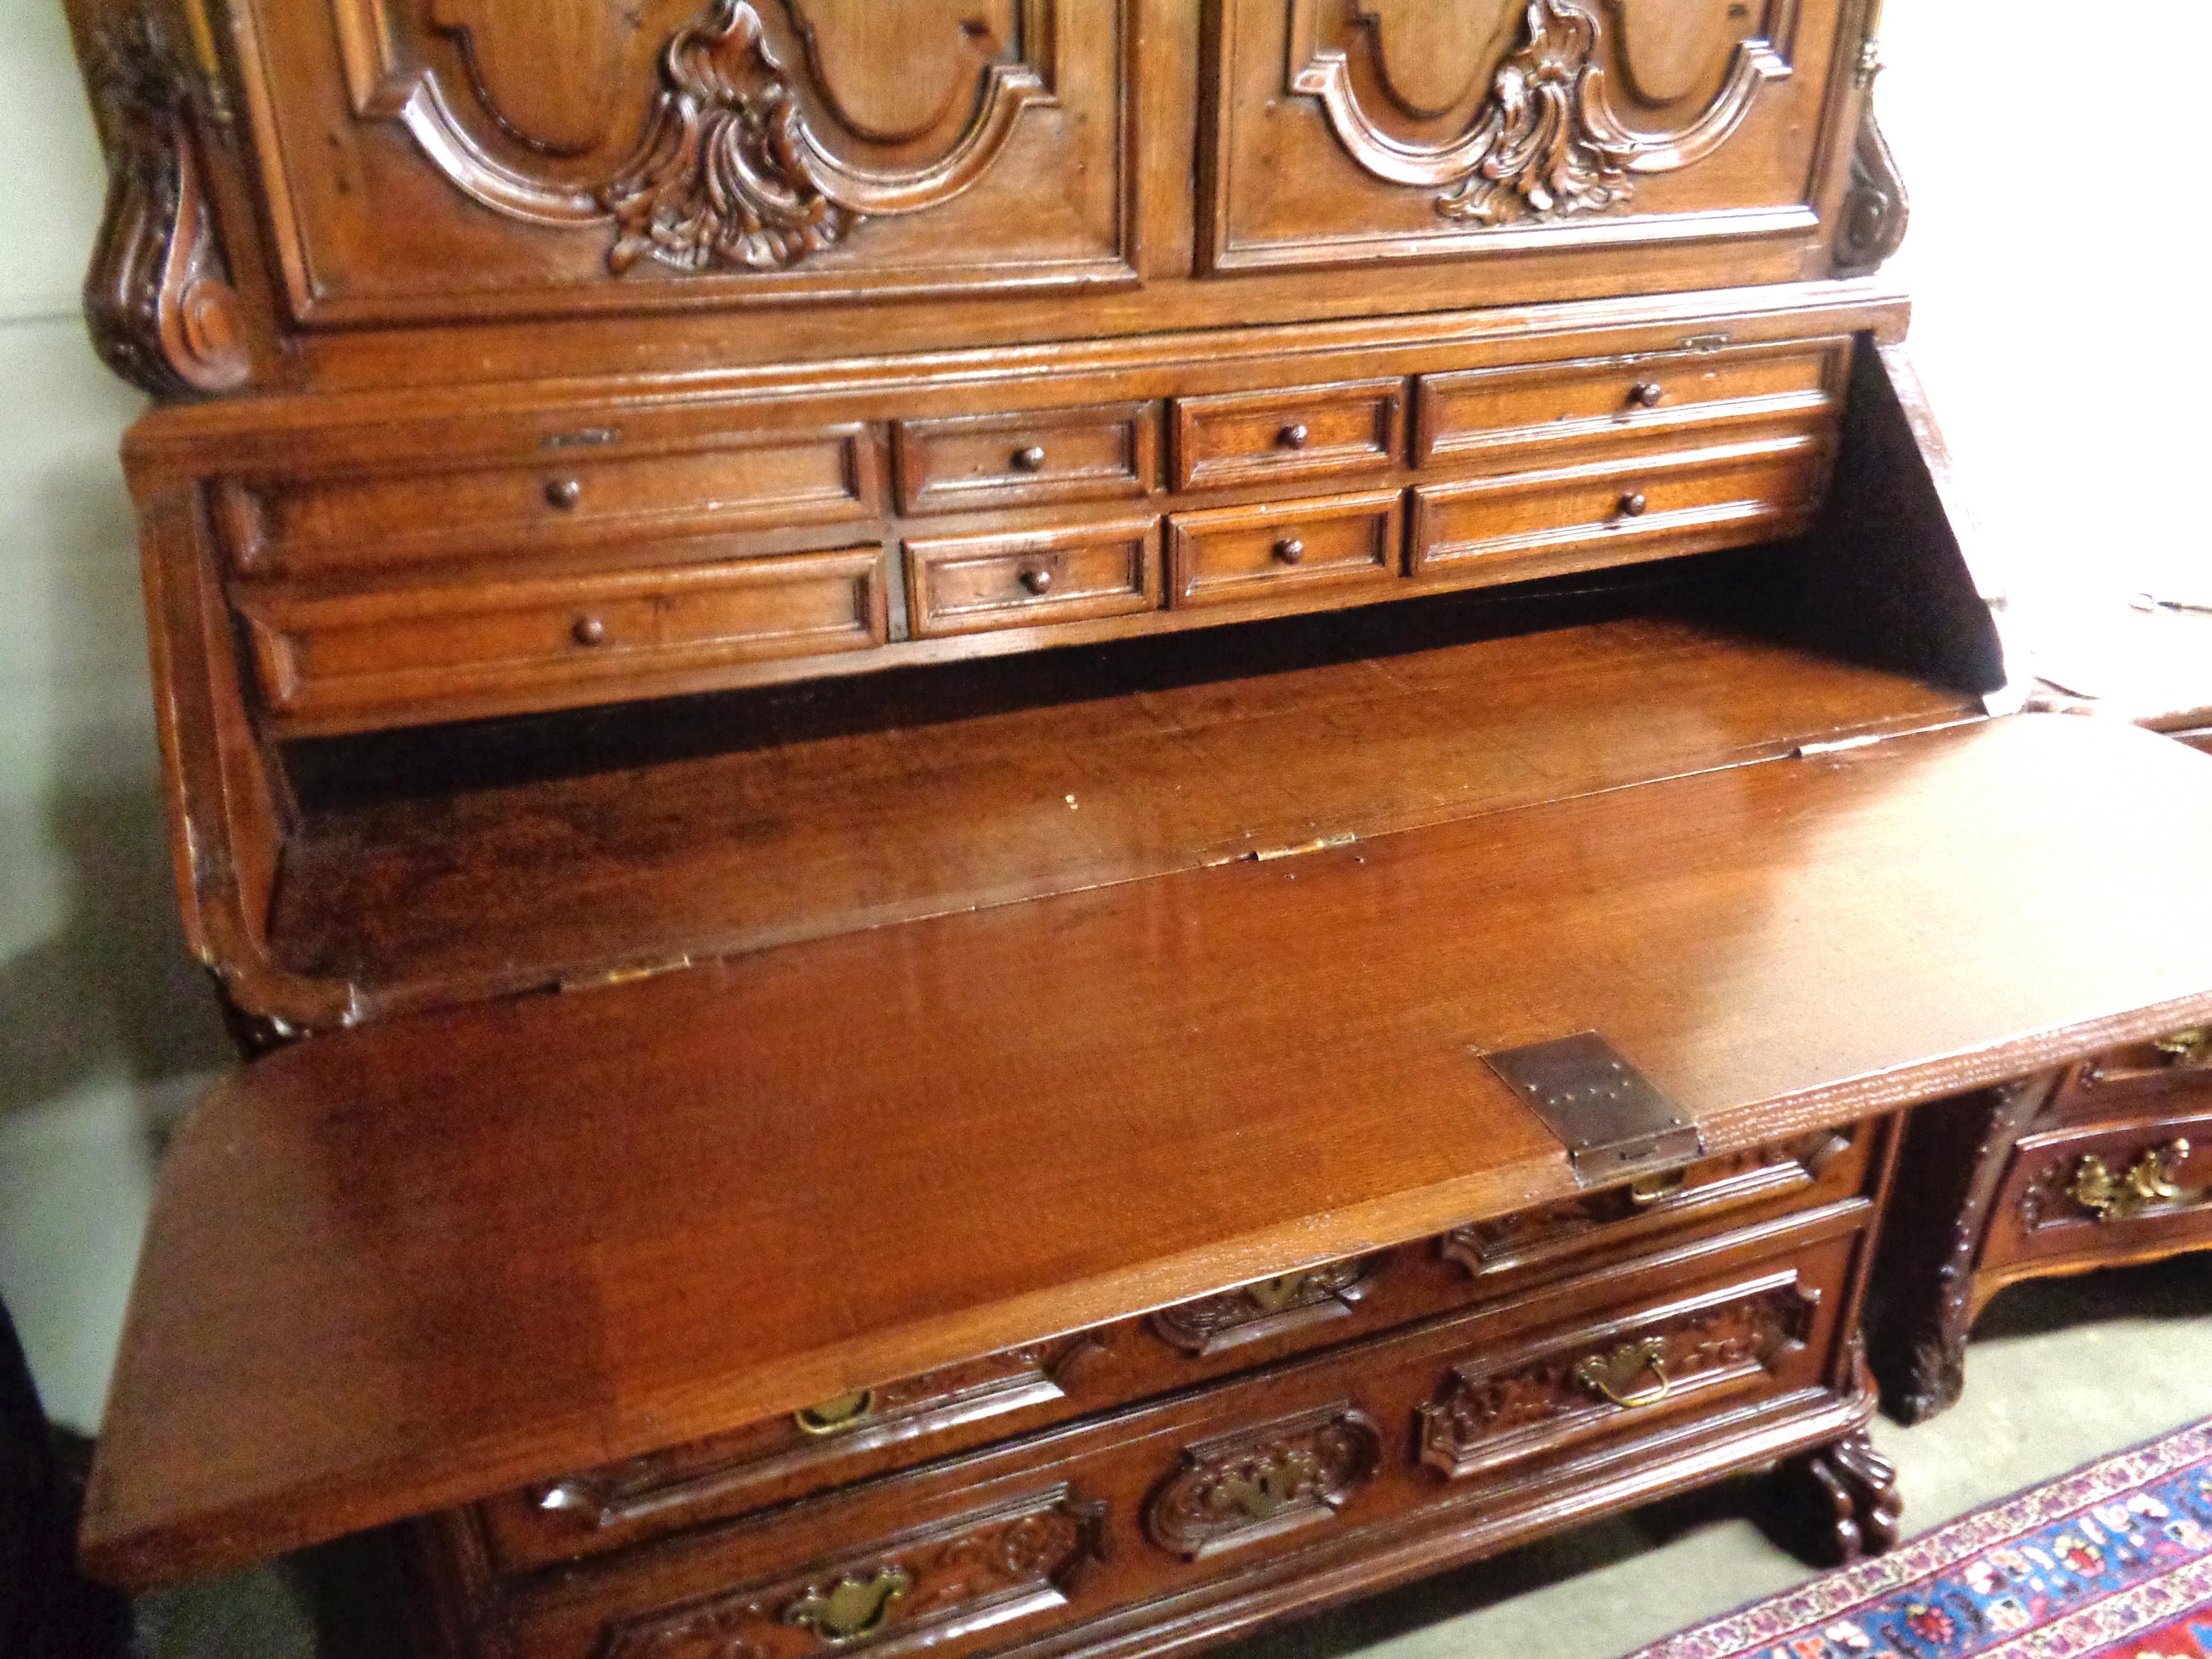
1347,131
447,158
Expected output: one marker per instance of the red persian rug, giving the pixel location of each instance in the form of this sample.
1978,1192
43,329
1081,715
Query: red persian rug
2113,1560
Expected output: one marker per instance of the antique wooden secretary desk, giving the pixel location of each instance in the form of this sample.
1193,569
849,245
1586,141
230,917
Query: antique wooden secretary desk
1050,822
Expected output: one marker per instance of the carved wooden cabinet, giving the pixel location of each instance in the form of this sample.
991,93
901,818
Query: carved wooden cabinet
1048,825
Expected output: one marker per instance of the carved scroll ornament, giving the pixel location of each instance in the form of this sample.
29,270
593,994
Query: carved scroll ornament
1548,143
157,299
729,173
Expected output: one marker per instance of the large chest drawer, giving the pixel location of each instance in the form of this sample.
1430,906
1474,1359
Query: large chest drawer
1476,1423
917,1419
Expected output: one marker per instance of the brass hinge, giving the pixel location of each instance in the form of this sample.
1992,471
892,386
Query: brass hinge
1609,1115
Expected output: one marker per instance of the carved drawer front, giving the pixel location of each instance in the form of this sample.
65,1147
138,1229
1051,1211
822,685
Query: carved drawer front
578,486
978,1577
1264,437
2116,1190
1244,1329
981,461
433,652
965,584
1487,417
480,158
1616,511
1746,1337
1246,553
2177,1065
1561,139
1820,1168
1671,1366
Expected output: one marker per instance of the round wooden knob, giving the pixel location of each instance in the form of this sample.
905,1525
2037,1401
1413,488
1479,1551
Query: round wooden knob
1294,435
1632,505
1038,579
589,630
1290,551
1647,395
1029,460
564,493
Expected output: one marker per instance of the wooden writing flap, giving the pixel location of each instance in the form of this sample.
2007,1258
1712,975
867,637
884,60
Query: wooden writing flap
400,1268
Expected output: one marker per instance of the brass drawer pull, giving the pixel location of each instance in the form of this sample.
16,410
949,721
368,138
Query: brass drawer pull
2149,1180
852,1609
564,493
1029,460
2190,1047
1038,579
1634,504
1293,436
1290,551
589,630
1611,1374
1656,1189
1647,394
836,1416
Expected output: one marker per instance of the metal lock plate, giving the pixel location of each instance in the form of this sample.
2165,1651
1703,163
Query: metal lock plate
1611,1117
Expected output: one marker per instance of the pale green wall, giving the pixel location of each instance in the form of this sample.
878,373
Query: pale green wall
103,1021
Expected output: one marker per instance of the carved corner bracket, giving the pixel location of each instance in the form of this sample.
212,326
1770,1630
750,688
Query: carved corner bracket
1548,143
728,174
158,298
1876,209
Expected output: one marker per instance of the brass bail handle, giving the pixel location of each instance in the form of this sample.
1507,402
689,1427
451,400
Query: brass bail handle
1603,1373
834,1416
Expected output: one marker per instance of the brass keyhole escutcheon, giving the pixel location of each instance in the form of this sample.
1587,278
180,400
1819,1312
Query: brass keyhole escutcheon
1612,1375
1274,1295
852,1609
1266,1491
835,1416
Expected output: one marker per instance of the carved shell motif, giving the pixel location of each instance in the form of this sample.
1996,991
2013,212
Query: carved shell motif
1541,154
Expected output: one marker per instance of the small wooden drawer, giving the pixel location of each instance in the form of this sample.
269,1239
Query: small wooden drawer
441,651
297,526
985,461
2109,1192
1240,553
905,1424
2178,1064
1526,524
966,584
1720,1354
1263,437
1465,418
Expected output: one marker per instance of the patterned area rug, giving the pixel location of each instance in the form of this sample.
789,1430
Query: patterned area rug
2113,1560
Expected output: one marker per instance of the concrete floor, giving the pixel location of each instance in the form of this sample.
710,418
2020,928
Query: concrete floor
2059,1373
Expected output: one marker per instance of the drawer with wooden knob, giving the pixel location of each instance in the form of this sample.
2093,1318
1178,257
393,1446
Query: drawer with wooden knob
1225,554
967,463
1312,432
1478,419
901,1424
344,521
1727,1350
1617,511
356,658
966,584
